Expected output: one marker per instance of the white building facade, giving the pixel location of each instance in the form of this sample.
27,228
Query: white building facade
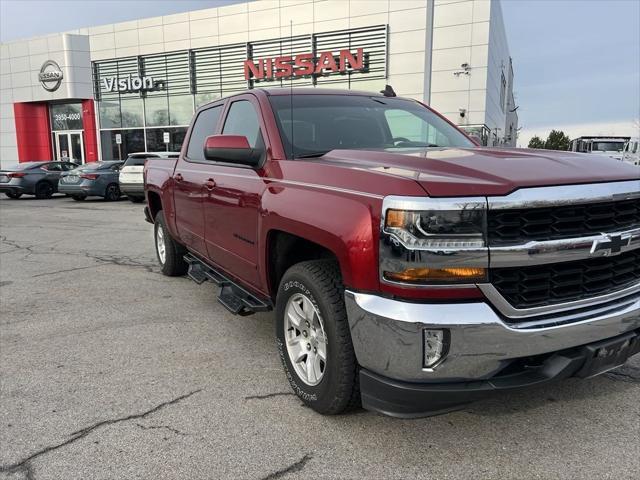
99,93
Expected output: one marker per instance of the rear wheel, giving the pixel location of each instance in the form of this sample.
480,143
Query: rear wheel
44,190
112,192
169,252
14,195
135,199
313,337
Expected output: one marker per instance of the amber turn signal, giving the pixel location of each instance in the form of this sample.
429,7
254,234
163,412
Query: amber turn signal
396,218
418,275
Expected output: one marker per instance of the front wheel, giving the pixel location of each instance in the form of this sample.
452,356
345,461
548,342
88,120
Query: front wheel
169,252
313,337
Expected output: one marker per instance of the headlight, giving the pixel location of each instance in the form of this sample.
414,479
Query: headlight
426,241
447,228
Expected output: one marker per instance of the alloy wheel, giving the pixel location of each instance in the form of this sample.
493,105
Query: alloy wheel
160,245
306,339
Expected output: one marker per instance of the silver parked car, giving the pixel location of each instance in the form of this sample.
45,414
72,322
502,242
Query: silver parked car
95,179
131,180
33,178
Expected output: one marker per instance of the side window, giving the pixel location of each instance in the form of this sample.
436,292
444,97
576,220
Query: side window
243,120
53,167
204,126
66,166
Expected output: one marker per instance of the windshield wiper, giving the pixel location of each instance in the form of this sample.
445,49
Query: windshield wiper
313,154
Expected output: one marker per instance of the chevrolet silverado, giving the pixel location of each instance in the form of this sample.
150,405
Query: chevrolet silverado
411,271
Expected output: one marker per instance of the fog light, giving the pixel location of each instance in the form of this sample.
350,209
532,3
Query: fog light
436,345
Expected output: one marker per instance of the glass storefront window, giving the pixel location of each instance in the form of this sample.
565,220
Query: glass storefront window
66,116
202,98
180,109
155,139
109,112
132,142
156,111
132,112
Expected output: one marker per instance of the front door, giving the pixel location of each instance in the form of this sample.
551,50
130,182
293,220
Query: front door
69,146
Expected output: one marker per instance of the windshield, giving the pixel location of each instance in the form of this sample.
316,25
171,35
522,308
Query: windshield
607,146
322,123
137,160
92,166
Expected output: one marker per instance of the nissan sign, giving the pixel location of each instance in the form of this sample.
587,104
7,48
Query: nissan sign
287,66
50,76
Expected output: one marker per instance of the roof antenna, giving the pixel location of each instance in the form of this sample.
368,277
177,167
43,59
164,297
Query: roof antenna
293,154
388,91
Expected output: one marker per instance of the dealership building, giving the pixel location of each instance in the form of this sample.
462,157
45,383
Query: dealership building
99,93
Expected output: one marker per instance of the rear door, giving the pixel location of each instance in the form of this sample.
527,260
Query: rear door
52,173
189,176
232,202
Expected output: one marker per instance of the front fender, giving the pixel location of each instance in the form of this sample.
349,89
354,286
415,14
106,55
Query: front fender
344,223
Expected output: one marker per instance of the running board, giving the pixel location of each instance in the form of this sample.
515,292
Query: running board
232,296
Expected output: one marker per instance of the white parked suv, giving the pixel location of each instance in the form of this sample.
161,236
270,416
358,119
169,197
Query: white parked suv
631,151
131,178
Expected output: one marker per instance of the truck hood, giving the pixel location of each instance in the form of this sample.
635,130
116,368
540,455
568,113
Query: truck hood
485,171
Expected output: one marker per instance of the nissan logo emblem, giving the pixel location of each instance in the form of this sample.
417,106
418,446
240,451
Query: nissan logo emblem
50,75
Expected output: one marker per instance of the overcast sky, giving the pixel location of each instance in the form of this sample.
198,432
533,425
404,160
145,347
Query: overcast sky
576,62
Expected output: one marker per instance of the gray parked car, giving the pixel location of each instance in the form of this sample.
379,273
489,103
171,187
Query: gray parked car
33,178
95,179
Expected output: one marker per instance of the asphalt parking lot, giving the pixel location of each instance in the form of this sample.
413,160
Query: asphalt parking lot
110,370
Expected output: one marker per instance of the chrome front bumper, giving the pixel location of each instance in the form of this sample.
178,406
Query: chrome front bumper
388,340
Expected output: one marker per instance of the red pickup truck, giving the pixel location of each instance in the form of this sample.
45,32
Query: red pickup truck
411,271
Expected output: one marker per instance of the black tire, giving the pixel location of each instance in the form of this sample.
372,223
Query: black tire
135,199
173,264
338,390
112,192
78,198
13,195
44,190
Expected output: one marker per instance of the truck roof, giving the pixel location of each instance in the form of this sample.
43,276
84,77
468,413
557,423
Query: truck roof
316,91
282,91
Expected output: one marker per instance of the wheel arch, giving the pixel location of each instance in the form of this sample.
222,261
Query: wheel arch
154,203
285,249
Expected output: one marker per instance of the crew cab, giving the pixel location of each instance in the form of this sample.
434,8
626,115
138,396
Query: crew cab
411,271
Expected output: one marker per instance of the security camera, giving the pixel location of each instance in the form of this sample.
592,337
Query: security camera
463,112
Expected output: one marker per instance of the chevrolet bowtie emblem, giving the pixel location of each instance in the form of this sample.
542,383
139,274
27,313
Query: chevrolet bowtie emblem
610,244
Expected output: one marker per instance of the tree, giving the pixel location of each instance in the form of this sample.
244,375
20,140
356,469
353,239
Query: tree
557,140
536,142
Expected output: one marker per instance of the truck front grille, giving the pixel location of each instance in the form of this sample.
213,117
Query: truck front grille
541,285
518,226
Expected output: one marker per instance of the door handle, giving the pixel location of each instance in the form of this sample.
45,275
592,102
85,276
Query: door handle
178,177
210,184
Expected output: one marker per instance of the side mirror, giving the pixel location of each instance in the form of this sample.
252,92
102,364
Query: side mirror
231,149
